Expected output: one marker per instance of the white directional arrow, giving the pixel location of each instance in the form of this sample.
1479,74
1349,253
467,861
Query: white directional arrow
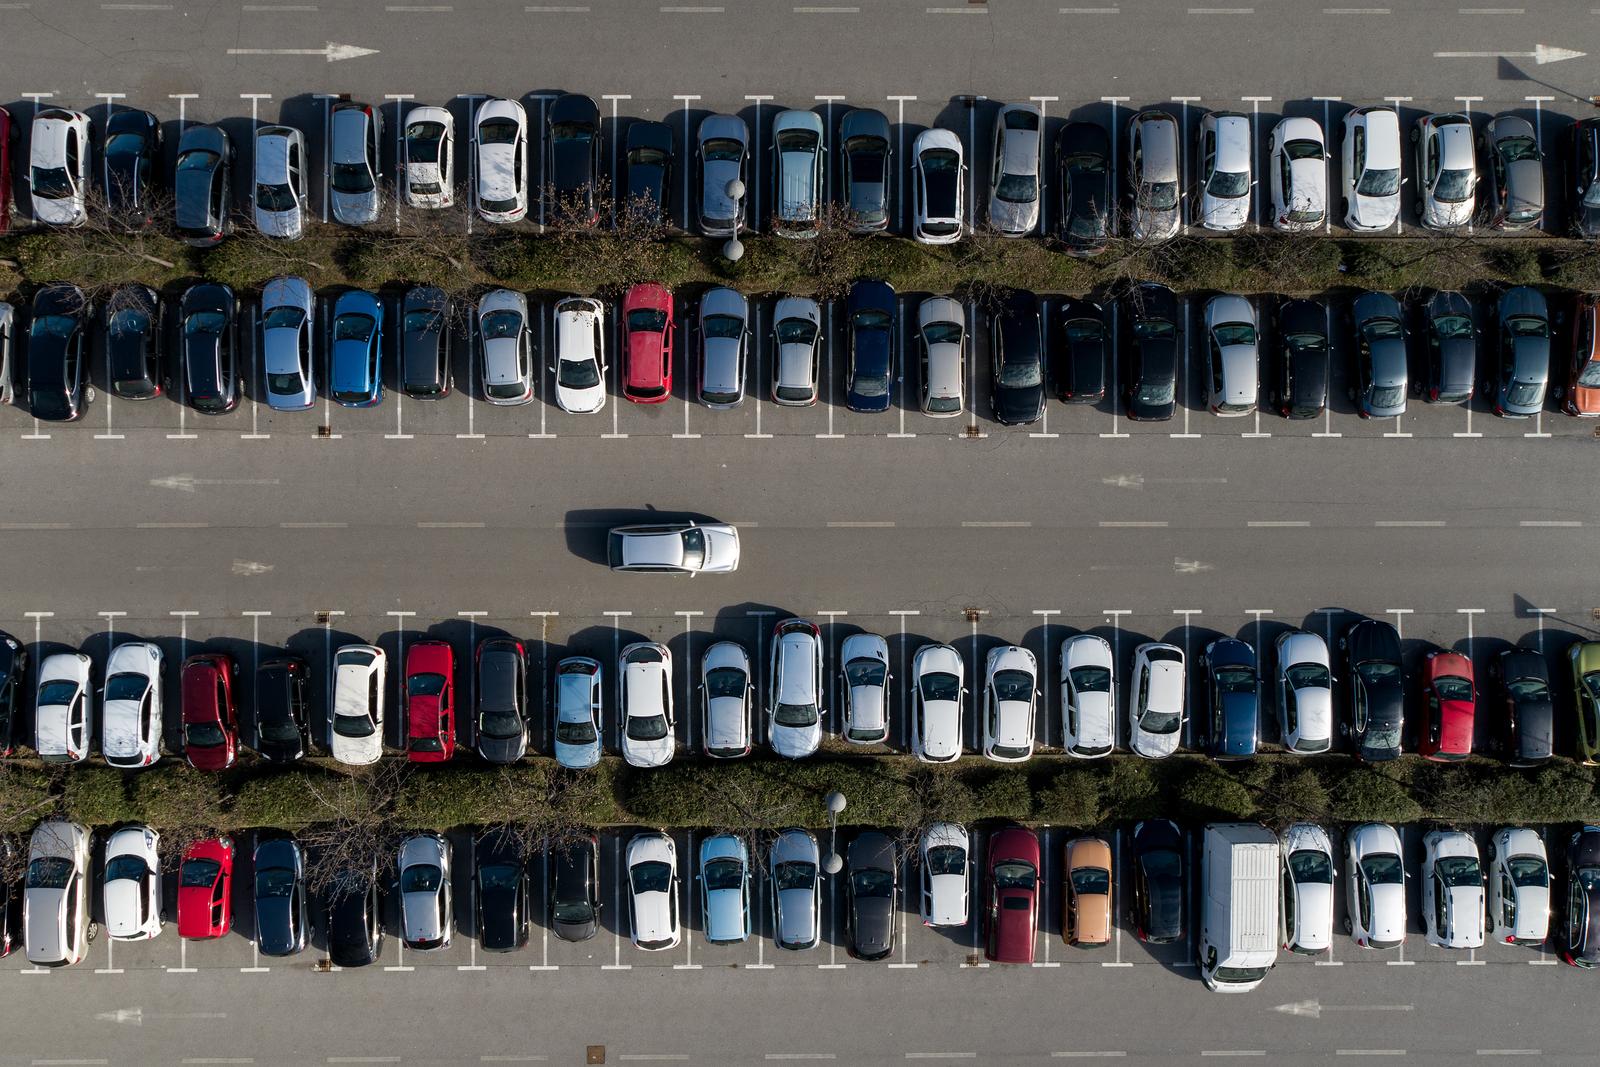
1189,566
332,51
1541,54
1314,1008
1124,481
188,483
137,1016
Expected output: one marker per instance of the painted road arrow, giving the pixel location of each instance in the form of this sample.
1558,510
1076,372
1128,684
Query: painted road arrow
1314,1008
1541,54
331,51
188,483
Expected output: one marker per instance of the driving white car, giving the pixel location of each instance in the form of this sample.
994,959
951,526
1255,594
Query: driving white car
652,862
1307,902
1519,887
577,743
944,859
130,887
864,662
1088,696
1452,890
1375,884
937,689
1157,709
1010,686
131,709
356,734
674,548
644,696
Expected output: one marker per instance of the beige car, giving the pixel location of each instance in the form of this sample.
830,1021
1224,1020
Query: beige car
1087,912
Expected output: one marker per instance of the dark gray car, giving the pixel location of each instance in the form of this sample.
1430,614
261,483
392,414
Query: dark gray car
1380,352
425,343
874,869
1452,339
1516,173
282,922
202,185
866,158
501,723
1523,320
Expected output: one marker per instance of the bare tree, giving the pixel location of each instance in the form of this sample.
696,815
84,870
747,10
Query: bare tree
546,807
353,828
111,248
614,239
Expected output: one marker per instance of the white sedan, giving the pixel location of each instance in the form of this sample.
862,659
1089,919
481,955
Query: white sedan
1519,887
653,891
1375,880
427,164
944,855
356,738
676,548
865,665
1305,692
577,743
131,885
580,355
63,720
1156,705
500,131
131,708
644,695
1088,696
1010,686
58,166
938,187
1299,167
1452,890
1369,158
937,688
1307,909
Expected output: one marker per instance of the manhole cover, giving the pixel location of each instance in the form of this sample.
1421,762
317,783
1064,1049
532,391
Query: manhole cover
323,618
597,1054
973,614
324,430
972,959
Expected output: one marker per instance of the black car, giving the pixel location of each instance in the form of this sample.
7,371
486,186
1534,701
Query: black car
1083,169
499,892
425,343
1234,686
1083,352
1150,382
647,159
871,373
206,320
572,160
575,889
1583,176
1156,910
355,920
1527,733
281,731
202,183
58,355
501,723
866,159
1580,940
11,932
130,165
1452,348
282,920
1377,689
134,332
874,879
1016,356
1301,389
13,669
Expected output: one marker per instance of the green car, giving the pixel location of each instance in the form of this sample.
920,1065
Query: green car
1585,657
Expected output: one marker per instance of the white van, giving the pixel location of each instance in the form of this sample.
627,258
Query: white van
1238,941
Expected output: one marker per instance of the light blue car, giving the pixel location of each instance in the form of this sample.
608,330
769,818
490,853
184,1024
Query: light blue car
725,889
286,348
356,367
577,744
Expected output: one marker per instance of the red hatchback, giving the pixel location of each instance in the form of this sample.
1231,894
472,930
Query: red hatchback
205,889
1450,695
1012,901
210,719
430,702
647,318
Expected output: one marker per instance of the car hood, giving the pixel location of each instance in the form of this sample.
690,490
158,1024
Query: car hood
1153,745
575,756
122,907
941,722
1019,405
722,550
357,750
1009,217
1225,213
1307,174
1316,899
354,208
651,753
799,918
1151,224
946,908
795,742
1374,212
279,223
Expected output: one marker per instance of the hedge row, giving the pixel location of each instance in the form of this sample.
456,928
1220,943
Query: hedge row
884,791
331,256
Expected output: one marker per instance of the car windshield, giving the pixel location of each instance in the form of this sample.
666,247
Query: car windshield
49,872
204,323
198,160
283,318
1305,342
1528,871
796,332
423,140
940,687
1379,182
872,883
1084,330
647,320
721,326
1228,184
1017,188
124,144
582,732
946,859
425,685
1590,377
1154,329
353,326
1234,333
1160,196
1308,676
352,178
1302,149
1458,872
498,324
725,682
870,385
1014,874
1018,374
1383,868
795,715
274,882
1527,688
647,727
571,913
51,183
581,373
1090,881
942,333
794,874
1154,393
57,693
421,878
1452,688
1153,721
275,197
281,730
724,874
199,873
126,686
130,868
869,672
1013,685
1517,149
203,735
1527,326
1236,679
1448,326
283,383
353,725
939,161
1453,186
1309,865
1378,329
651,876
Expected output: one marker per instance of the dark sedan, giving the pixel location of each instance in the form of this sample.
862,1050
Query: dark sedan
1523,319
58,354
206,319
1377,689
13,671
281,732
1150,381
574,890
864,135
647,160
500,892
572,163
1583,176
1528,730
1234,686
872,332
1083,168
130,165
1083,353
202,185
1016,351
1452,348
133,342
874,880
1381,381
355,919
425,343
501,724
1580,938
282,921
1301,391
1157,906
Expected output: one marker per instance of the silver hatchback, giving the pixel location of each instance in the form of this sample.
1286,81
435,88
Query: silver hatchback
353,157
797,351
724,332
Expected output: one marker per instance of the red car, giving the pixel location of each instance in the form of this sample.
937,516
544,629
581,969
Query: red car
647,317
1012,897
8,134
1447,687
210,719
430,702
205,889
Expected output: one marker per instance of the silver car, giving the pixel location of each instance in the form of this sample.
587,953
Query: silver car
723,150
796,351
578,705
1014,186
353,155
55,895
797,162
278,200
427,158
507,349
287,315
942,347
727,700
425,893
794,870
1516,173
794,695
864,662
131,705
1230,355
724,332
1153,176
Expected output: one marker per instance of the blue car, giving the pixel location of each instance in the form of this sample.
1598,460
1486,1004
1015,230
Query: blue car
725,888
872,329
356,371
1235,691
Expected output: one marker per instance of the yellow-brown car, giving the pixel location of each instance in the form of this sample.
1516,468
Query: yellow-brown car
1583,375
1087,918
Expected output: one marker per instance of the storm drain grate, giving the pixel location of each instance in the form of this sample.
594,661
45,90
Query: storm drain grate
323,618
596,1054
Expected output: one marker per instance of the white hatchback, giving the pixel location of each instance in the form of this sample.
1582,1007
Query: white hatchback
500,136
580,368
1519,887
644,699
1452,890
1157,709
131,885
1307,901
945,860
652,862
1088,696
1375,882
1298,162
937,689
1369,158
1010,689
427,163
130,720
356,734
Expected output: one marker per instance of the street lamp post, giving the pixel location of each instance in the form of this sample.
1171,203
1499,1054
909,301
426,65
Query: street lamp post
834,863
733,248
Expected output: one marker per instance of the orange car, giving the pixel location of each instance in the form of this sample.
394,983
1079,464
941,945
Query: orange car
1088,907
1583,381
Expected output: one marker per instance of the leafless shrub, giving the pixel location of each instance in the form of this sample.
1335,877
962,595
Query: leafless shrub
353,826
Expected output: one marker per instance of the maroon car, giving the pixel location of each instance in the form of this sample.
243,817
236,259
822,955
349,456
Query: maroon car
210,718
1012,896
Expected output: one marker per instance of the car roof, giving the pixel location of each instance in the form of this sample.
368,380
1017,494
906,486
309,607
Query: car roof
1233,141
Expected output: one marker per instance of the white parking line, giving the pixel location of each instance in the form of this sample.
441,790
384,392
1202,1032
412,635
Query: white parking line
1356,11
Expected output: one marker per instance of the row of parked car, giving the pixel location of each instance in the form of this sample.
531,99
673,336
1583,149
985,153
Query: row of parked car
1451,163
1079,350
1239,693
1250,908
